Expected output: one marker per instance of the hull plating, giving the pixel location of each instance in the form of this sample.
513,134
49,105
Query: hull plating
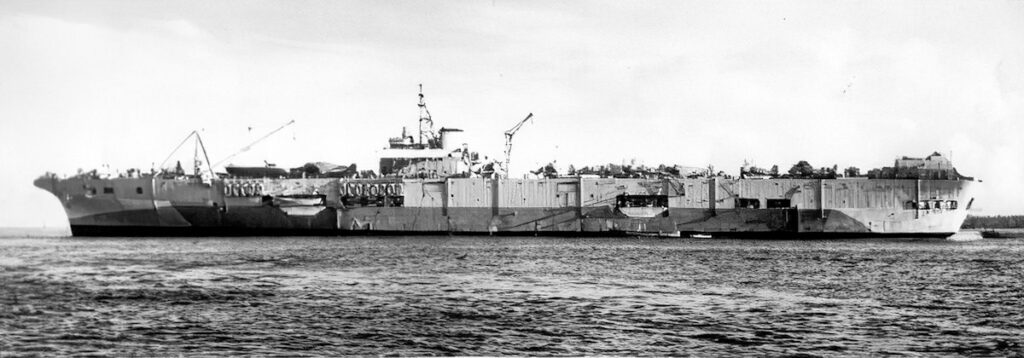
815,208
262,221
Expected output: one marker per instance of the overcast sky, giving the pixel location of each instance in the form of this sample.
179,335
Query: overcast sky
852,83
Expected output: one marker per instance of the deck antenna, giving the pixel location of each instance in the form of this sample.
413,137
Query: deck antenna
249,146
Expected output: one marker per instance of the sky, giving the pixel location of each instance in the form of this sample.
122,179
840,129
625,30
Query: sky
848,83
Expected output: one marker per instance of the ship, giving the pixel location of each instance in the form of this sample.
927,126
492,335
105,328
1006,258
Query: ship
434,184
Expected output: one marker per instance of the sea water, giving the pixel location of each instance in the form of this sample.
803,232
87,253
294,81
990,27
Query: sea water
471,295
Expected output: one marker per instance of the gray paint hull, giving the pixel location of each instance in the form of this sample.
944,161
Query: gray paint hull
577,207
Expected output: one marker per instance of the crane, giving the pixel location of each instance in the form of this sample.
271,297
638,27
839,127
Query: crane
195,157
508,141
247,147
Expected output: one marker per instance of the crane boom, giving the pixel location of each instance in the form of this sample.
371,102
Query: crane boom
249,146
195,156
508,141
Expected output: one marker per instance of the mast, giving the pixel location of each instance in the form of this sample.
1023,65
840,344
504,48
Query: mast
426,122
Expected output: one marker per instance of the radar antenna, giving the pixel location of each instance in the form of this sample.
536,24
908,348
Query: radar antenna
508,141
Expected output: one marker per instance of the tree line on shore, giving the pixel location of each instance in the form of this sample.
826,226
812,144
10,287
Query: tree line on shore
994,222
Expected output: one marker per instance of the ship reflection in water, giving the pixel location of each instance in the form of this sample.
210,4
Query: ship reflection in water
509,296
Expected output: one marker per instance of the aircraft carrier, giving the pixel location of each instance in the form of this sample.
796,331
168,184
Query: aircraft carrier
433,184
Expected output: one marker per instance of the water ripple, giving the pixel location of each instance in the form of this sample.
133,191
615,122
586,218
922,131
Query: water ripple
509,296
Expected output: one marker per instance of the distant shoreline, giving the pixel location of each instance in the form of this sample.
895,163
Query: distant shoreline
994,222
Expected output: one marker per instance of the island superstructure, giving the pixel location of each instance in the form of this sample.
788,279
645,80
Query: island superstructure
433,183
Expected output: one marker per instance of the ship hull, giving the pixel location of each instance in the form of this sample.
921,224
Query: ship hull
784,208
153,231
